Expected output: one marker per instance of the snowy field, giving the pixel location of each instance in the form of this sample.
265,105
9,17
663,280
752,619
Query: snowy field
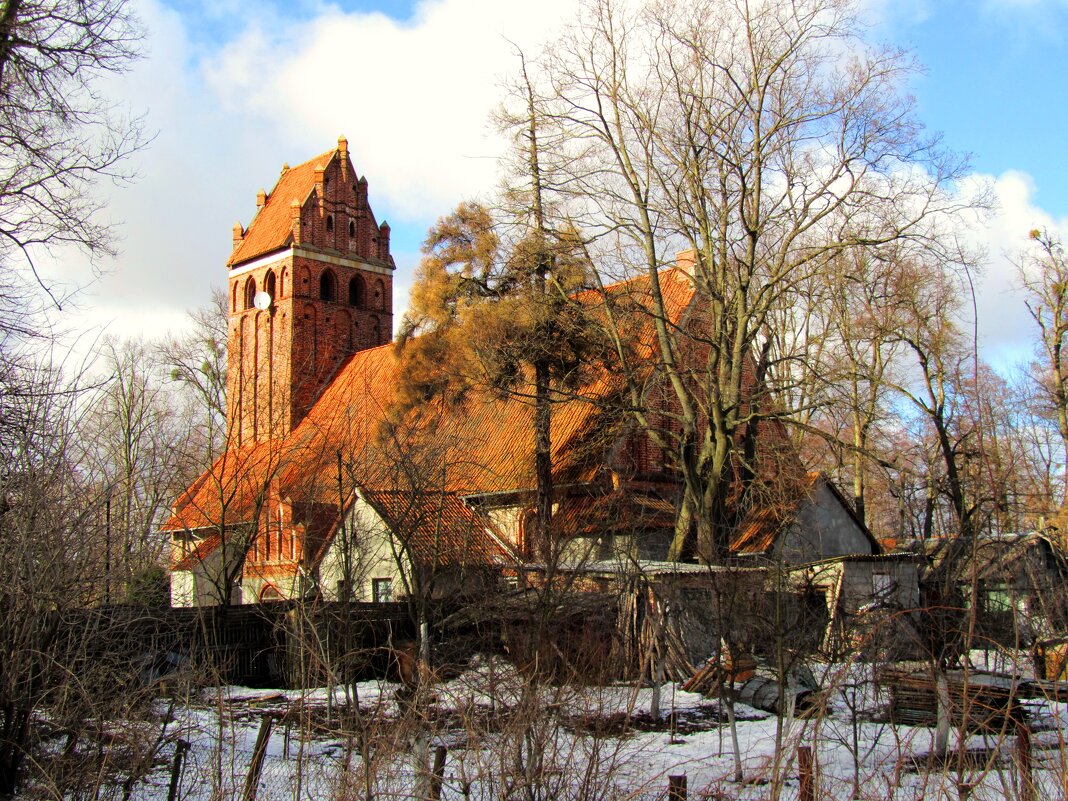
504,739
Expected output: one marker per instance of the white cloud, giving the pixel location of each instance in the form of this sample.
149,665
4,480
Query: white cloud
413,98
1006,331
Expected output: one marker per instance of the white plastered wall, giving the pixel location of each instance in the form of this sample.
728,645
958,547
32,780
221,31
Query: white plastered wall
372,552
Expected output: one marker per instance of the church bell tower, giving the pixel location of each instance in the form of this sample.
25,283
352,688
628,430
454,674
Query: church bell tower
310,283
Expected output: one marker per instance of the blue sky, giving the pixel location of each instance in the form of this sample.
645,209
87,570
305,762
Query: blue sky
234,88
996,85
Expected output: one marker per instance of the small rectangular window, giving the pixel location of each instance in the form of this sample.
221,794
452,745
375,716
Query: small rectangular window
382,590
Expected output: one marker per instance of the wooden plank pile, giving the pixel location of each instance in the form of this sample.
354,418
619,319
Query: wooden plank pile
706,678
1044,689
982,702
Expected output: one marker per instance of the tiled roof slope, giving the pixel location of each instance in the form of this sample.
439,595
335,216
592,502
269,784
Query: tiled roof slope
271,228
483,446
190,559
758,530
438,527
603,515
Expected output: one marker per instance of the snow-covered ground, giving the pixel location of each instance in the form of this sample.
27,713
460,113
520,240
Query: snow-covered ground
583,743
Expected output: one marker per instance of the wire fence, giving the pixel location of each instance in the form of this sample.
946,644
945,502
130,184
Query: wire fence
329,774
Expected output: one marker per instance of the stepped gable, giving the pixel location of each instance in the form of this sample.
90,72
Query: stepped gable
310,282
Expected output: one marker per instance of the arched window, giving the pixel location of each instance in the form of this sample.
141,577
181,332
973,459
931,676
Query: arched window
282,283
327,286
357,291
527,533
352,229
250,292
233,298
380,294
329,222
268,284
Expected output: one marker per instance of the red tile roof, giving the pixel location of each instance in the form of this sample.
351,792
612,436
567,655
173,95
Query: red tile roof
586,516
758,530
438,527
485,445
194,557
271,228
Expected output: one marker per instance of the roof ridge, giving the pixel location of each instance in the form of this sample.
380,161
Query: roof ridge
328,154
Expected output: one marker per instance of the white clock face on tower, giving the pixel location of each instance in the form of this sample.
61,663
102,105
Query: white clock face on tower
262,301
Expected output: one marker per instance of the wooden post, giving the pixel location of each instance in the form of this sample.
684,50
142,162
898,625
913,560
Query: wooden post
252,780
437,776
176,769
677,788
658,678
806,774
1024,763
942,701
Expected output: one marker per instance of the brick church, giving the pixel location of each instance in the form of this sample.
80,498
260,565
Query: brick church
321,492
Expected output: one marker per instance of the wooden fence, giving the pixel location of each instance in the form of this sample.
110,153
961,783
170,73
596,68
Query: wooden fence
273,644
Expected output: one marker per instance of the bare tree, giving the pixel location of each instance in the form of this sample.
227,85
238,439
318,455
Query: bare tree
859,357
1044,275
135,446
51,521
766,138
930,308
59,134
197,360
